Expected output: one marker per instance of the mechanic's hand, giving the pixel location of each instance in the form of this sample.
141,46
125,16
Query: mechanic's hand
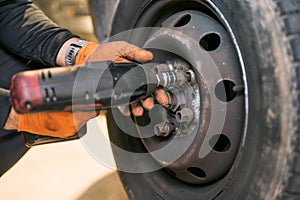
137,109
118,51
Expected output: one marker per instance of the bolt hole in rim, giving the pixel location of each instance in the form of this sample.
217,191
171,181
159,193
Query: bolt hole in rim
184,20
224,90
220,143
210,41
197,172
213,42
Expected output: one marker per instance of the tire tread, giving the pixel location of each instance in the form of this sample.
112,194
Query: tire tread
288,6
296,47
289,12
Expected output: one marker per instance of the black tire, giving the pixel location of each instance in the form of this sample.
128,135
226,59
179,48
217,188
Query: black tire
268,163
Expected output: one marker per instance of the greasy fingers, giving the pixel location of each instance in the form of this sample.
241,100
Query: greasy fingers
134,53
140,55
161,97
117,51
148,103
137,109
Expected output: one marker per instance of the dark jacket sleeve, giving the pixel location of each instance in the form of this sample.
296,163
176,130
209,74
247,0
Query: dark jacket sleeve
27,32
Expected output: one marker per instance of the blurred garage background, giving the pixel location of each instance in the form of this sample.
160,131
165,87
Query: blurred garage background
63,170
71,14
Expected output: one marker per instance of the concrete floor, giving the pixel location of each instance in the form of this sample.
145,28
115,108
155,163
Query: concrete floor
61,171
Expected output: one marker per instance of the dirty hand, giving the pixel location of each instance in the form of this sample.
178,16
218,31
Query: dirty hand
137,109
118,51
64,124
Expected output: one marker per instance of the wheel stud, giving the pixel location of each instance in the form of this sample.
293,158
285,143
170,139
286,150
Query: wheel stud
164,129
238,88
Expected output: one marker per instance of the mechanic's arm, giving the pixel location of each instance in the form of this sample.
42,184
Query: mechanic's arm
28,33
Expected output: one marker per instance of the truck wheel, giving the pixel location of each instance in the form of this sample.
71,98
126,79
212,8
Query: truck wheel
256,47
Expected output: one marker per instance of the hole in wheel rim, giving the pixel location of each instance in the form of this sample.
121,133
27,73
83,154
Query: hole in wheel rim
224,90
220,143
210,42
184,20
197,172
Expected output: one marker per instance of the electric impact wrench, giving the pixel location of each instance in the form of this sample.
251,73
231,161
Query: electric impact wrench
95,86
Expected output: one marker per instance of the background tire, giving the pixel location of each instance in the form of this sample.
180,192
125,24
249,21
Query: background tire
268,163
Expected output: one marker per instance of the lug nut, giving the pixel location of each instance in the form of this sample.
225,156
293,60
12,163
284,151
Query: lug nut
161,68
180,65
185,115
180,78
164,129
190,76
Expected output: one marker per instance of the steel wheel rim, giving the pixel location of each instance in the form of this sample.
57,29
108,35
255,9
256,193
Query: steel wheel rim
192,170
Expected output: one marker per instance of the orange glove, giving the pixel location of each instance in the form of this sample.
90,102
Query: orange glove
56,124
64,124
